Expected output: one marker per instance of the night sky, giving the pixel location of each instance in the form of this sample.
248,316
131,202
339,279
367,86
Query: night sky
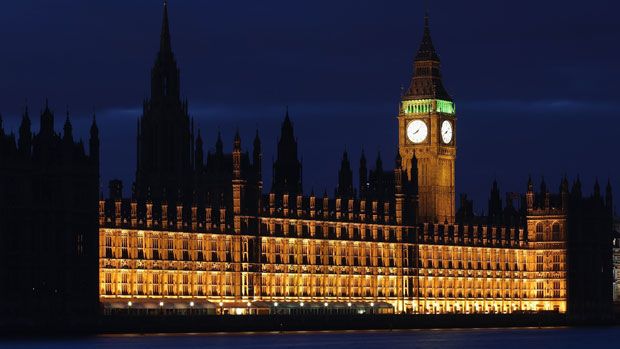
535,82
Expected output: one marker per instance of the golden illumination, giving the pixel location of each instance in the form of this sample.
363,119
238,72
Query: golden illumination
362,266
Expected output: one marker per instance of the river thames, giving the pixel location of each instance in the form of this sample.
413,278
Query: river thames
522,338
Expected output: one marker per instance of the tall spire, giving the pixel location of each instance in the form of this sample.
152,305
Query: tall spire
165,76
426,52
164,45
426,82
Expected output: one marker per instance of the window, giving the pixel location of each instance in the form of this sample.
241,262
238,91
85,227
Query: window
556,262
539,232
539,263
555,230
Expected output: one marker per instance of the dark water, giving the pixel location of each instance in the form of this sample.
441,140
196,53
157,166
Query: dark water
445,339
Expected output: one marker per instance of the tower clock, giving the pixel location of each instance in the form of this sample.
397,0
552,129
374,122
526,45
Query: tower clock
427,130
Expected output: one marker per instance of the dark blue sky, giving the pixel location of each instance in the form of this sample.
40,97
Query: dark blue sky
535,82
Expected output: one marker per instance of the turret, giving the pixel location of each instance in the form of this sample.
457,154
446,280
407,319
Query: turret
597,190
363,175
576,190
495,204
68,130
529,195
257,156
236,154
564,193
379,163
345,178
47,121
287,169
25,135
94,142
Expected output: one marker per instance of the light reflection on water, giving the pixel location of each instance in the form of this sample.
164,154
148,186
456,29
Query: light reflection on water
529,338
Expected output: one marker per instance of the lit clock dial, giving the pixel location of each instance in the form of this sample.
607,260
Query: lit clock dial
417,131
446,131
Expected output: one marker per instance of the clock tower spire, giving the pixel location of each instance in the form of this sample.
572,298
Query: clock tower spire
426,127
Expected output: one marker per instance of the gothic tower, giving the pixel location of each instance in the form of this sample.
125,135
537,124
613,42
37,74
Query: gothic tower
427,129
287,168
165,159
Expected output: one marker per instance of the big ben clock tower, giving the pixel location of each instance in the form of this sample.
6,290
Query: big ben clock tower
427,130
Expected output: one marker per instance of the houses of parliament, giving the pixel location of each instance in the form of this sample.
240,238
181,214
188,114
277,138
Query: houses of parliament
202,232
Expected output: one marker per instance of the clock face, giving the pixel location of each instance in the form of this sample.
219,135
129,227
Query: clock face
417,131
446,131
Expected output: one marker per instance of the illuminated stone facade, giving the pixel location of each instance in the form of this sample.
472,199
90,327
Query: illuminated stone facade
328,251
210,241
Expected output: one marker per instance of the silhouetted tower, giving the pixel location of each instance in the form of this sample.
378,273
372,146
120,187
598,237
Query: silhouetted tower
287,167
345,178
164,139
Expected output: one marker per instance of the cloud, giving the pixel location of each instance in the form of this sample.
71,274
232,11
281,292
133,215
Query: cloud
542,106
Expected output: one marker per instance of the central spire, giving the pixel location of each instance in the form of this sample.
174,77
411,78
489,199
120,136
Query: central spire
165,81
427,52
164,46
165,137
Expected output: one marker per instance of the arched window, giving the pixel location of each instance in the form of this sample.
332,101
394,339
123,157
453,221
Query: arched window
555,230
539,231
